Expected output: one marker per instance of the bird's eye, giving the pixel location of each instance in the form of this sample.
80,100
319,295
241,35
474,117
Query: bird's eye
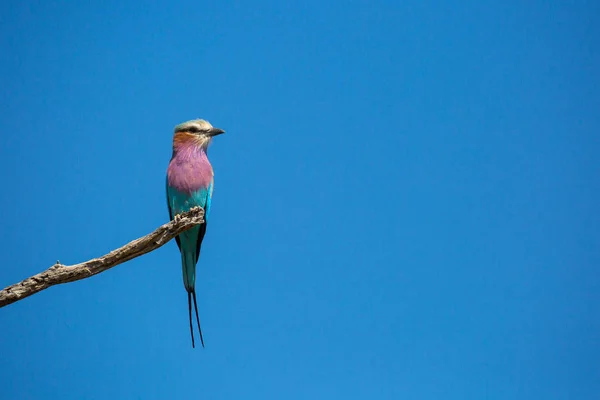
193,129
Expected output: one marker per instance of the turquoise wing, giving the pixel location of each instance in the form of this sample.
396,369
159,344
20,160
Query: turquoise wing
208,200
171,215
179,202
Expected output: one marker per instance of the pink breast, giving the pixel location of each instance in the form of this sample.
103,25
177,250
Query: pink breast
189,170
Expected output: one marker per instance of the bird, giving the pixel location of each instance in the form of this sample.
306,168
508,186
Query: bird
190,183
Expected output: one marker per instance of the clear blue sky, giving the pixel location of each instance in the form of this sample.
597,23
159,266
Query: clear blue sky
405,204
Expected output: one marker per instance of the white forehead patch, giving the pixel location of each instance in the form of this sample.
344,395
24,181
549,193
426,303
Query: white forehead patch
198,123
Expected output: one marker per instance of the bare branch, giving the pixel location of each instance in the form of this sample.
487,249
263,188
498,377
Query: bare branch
59,273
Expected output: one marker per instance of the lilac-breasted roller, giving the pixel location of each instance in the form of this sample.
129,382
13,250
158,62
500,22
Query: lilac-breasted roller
190,181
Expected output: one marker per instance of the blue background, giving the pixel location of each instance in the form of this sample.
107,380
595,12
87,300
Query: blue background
405,203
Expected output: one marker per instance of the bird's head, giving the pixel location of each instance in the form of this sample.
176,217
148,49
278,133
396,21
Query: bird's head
202,131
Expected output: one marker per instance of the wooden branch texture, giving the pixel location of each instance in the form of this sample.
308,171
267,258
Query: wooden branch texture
59,273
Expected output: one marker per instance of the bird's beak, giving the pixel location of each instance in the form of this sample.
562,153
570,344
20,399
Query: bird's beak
215,132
